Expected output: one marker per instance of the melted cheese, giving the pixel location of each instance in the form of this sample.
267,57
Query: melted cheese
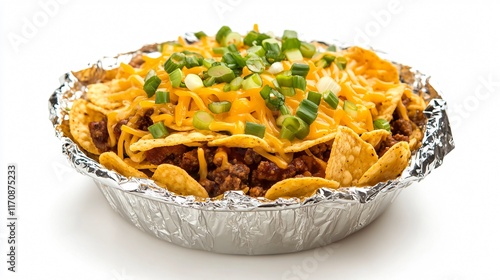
203,164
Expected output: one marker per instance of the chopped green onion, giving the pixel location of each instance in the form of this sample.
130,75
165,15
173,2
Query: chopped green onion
209,82
284,81
252,81
289,34
325,61
290,44
280,119
232,38
207,62
194,59
232,48
274,99
158,130
255,129
300,69
331,99
221,73
151,83
255,38
258,50
219,107
273,51
236,83
193,82
327,83
307,111
307,49
275,68
286,91
255,63
239,59
350,108
299,82
226,88
222,33
294,55
314,97
332,48
341,62
382,124
200,34
202,120
220,50
284,110
175,77
303,130
162,97
175,61
289,127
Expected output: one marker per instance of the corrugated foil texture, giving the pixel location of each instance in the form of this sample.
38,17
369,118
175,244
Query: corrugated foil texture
239,224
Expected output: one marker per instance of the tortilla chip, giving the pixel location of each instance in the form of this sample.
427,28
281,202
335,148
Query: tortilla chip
386,109
299,187
303,145
241,141
145,143
177,180
113,162
79,118
99,94
389,166
375,137
350,157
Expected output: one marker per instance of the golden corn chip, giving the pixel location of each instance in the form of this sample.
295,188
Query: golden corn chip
350,157
389,166
394,94
177,180
113,162
173,139
303,145
99,94
79,118
241,141
299,187
375,137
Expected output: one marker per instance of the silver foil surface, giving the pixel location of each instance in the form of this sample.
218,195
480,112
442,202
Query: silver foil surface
239,224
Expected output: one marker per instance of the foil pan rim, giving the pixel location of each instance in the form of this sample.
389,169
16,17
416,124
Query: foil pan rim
421,164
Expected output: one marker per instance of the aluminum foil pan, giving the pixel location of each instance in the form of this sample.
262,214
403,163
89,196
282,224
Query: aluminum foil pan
239,224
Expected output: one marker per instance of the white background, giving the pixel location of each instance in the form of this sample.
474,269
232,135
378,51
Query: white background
446,227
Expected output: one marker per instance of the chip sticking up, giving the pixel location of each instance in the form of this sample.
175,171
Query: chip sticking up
146,143
350,157
80,116
112,161
389,166
299,187
177,180
375,137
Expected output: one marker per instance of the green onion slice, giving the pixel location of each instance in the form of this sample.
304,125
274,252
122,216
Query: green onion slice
289,127
300,69
222,33
289,34
258,50
200,34
221,73
255,63
219,107
307,49
151,83
331,99
307,111
158,130
350,108
176,60
202,120
294,55
252,81
382,124
303,130
315,97
175,77
341,62
255,129
162,97
236,83
232,38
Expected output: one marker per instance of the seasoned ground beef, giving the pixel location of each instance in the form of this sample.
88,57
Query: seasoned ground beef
99,135
190,162
401,130
170,154
321,151
401,126
117,129
145,120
